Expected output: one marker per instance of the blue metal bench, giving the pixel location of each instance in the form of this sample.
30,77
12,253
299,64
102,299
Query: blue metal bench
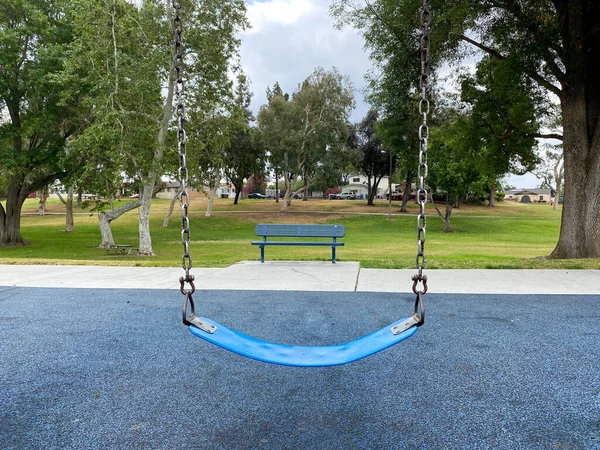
300,231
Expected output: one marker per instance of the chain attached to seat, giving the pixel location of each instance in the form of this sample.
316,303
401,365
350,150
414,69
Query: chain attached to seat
422,195
184,198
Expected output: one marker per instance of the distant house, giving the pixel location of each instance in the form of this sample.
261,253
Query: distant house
530,195
169,190
358,185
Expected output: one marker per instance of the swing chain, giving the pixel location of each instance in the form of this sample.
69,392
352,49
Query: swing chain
424,110
184,199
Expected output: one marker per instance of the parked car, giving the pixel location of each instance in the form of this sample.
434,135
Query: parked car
257,195
398,196
346,196
395,195
293,194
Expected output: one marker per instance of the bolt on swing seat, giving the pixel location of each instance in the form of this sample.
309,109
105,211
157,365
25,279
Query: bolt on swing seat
303,356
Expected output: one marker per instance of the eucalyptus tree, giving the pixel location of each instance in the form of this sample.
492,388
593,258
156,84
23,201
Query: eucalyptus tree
124,55
324,102
34,123
281,136
554,43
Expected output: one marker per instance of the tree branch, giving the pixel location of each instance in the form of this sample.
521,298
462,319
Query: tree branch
547,136
496,54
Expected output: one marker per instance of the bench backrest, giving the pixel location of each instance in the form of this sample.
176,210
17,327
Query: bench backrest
291,230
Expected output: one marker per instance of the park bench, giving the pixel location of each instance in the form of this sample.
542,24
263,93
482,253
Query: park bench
299,231
119,249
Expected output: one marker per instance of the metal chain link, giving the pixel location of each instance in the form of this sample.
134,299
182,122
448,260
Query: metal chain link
184,199
421,260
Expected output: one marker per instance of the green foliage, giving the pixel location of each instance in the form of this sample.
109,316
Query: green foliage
505,111
32,42
308,131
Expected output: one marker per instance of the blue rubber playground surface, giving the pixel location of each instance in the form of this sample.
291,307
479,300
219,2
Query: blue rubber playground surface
102,369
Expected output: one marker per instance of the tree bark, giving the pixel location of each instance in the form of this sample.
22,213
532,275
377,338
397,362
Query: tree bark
171,207
445,217
406,191
492,195
213,193
10,218
42,201
69,221
580,228
276,186
106,217
580,105
288,190
145,244
238,190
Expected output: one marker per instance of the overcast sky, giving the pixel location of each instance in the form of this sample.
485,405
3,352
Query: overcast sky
290,38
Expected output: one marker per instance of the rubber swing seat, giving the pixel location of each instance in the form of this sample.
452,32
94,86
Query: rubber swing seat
302,356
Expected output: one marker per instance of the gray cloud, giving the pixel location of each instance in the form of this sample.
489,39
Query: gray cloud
290,39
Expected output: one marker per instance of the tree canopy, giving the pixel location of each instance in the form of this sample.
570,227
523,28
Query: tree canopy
553,43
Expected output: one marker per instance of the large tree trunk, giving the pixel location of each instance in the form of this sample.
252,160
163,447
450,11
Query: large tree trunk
238,190
492,195
69,222
305,190
213,194
288,190
406,191
10,218
580,106
145,245
106,217
580,228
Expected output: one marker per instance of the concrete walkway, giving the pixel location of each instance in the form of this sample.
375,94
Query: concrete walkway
305,276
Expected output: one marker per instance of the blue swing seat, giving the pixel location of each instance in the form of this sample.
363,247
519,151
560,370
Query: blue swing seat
301,356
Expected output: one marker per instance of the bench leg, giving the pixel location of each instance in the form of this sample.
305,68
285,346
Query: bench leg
333,254
262,253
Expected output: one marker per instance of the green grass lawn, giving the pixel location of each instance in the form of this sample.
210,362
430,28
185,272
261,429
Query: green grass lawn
508,236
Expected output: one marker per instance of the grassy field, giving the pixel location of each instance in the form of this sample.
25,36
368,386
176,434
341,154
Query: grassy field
508,236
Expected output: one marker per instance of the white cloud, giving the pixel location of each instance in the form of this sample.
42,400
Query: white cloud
290,38
283,12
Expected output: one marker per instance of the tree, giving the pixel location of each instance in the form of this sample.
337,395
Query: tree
504,116
299,132
375,161
324,101
124,55
452,170
555,43
552,171
33,35
278,126
244,155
